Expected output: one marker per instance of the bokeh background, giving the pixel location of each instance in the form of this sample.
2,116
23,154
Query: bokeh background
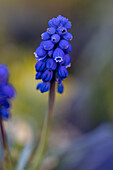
82,134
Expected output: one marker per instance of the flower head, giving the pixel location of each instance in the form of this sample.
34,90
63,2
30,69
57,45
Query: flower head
6,92
53,54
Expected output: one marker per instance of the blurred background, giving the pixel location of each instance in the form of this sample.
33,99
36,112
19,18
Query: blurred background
82,133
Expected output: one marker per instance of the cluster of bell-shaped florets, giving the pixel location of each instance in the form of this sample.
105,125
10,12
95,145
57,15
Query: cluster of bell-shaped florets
6,92
53,54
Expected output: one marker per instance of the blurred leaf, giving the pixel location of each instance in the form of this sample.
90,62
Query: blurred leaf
24,156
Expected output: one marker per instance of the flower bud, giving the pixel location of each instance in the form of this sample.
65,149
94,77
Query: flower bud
50,53
68,25
4,74
40,52
50,23
48,45
5,113
51,64
62,72
38,75
51,30
67,60
69,49
6,103
58,55
62,30
68,36
43,87
55,38
60,88
40,66
62,19
45,36
55,21
63,44
8,91
47,75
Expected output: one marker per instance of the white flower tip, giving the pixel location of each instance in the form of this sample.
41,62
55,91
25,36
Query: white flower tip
69,65
58,59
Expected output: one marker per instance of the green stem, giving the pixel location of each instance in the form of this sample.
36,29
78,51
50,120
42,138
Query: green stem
7,161
46,127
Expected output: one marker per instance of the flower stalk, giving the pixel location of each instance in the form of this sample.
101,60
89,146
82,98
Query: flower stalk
46,127
7,161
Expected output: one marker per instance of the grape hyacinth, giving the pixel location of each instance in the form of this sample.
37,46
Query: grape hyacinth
52,55
6,92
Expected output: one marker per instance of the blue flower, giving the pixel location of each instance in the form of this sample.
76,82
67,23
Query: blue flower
60,88
38,75
58,55
63,44
45,36
40,52
40,65
62,31
67,60
55,38
68,36
68,50
51,64
6,92
4,74
4,112
62,72
43,86
47,45
50,53
53,54
68,25
47,75
51,30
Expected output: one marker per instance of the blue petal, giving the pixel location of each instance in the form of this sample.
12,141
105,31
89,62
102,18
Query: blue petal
47,75
50,23
56,21
62,31
6,103
4,73
51,30
68,25
45,36
43,87
63,44
62,72
50,53
51,64
67,60
60,88
48,45
40,52
41,58
68,36
38,85
58,55
69,49
5,113
55,38
62,19
40,65
38,75
8,91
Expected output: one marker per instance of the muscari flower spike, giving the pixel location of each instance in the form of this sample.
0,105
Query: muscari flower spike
53,54
7,92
